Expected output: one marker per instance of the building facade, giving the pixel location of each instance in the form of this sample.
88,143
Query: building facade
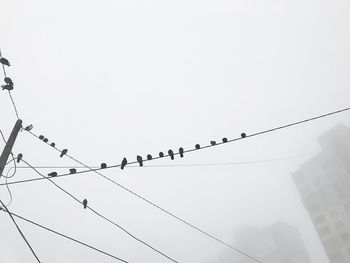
324,186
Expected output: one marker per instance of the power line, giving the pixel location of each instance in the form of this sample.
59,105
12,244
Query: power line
102,216
133,166
67,237
159,207
19,230
243,136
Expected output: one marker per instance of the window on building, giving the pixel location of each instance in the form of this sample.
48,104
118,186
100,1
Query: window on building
334,213
339,225
347,206
320,219
335,256
324,231
345,237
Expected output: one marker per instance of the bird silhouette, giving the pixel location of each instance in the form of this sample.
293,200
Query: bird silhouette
149,157
72,171
46,140
8,81
52,174
171,154
64,151
243,135
5,62
41,137
124,163
212,142
197,146
85,202
53,144
103,165
181,152
7,87
139,159
224,139
161,154
29,127
19,157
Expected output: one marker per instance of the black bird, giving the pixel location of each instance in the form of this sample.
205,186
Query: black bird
212,142
5,62
64,151
8,87
161,154
19,157
46,140
85,203
124,163
243,135
29,127
53,144
171,154
224,139
103,165
139,159
181,152
72,171
52,174
41,137
197,146
149,157
8,81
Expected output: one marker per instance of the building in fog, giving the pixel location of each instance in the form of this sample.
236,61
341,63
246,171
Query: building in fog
278,243
324,186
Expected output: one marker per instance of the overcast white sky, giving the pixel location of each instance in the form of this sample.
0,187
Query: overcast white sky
113,79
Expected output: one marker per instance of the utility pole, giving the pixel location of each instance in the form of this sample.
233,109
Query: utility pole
8,147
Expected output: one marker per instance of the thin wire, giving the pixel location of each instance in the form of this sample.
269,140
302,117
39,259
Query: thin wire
12,100
19,230
67,237
90,169
191,150
102,216
131,166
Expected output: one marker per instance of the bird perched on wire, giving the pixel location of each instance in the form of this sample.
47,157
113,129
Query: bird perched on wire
29,127
19,157
7,87
224,139
243,135
149,157
197,146
213,142
171,154
72,171
181,152
46,140
5,62
52,174
64,151
161,154
139,159
8,81
41,137
85,202
124,163
53,144
103,165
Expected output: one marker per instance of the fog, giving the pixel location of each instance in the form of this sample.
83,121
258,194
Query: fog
113,79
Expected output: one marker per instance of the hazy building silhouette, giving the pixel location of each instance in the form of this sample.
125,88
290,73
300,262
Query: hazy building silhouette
324,186
278,243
